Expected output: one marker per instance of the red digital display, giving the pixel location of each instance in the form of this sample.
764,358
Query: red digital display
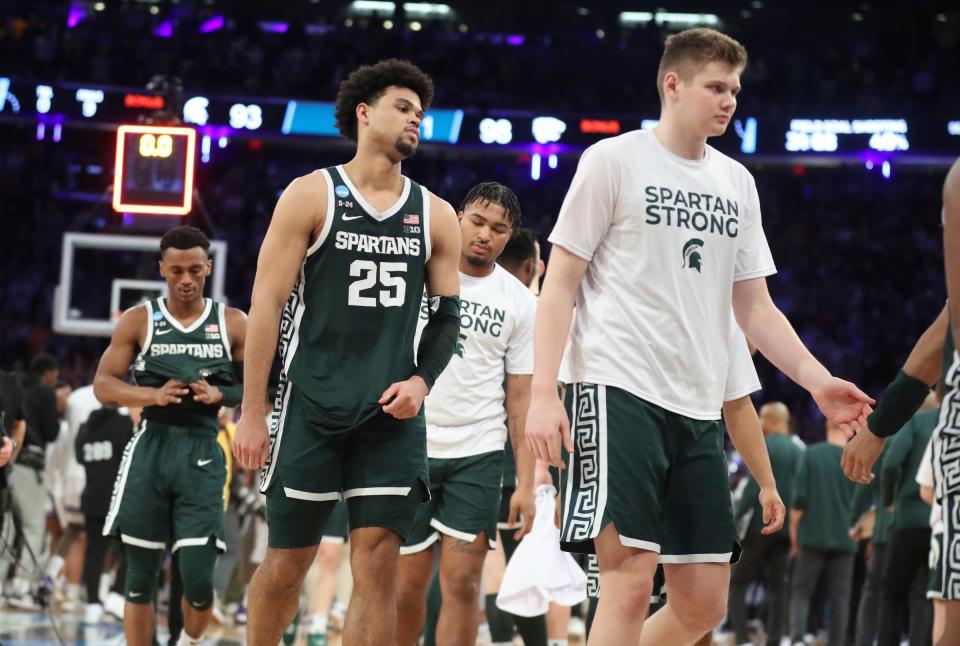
600,126
154,170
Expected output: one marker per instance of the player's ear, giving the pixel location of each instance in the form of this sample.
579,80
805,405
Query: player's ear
362,113
209,267
671,85
163,273
459,215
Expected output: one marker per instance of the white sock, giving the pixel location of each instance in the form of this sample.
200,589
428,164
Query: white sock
187,640
556,642
318,624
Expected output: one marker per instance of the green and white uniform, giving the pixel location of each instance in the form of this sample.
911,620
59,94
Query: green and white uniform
466,422
171,478
945,458
665,238
346,335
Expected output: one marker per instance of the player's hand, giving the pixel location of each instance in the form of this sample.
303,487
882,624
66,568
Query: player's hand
774,511
547,429
6,450
205,393
843,404
170,393
251,443
523,507
403,399
860,454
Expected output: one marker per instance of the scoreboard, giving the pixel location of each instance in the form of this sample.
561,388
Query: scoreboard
154,169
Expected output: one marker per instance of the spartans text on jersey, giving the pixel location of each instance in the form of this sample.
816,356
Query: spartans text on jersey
387,245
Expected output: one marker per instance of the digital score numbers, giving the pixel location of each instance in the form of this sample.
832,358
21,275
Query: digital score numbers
154,172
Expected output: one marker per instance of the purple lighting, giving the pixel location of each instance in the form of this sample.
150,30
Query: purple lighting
212,24
274,27
515,40
74,17
164,29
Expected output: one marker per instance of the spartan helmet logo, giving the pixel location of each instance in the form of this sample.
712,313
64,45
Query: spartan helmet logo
459,349
691,254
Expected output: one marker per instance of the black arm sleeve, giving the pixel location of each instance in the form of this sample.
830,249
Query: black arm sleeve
439,338
902,398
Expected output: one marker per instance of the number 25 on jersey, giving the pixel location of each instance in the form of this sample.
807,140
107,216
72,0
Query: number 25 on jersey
369,274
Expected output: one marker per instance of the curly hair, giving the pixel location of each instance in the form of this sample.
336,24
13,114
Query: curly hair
185,237
368,83
495,193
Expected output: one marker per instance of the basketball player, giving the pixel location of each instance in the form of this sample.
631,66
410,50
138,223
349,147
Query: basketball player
466,428
183,349
904,396
346,258
658,240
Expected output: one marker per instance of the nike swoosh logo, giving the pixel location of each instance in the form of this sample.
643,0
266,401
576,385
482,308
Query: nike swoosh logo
162,332
347,218
134,595
203,463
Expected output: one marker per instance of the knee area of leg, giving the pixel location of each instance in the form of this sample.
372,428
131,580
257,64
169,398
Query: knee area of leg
141,580
701,613
463,586
196,570
636,596
328,559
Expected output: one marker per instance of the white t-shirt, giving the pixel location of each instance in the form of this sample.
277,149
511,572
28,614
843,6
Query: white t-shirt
742,378
925,479
465,409
666,239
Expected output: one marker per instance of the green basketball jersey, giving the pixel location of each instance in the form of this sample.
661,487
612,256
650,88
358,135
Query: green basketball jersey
348,327
172,351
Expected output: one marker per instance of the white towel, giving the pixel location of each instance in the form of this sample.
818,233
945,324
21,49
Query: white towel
539,572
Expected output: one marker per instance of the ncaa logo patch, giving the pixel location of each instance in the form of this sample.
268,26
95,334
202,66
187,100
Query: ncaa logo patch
341,191
157,315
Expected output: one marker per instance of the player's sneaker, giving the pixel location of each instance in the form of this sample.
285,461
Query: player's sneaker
93,614
290,634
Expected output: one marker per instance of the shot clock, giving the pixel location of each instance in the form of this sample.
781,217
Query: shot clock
154,171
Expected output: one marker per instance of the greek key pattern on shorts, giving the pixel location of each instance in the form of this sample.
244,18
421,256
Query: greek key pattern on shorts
288,330
582,521
593,576
946,454
951,557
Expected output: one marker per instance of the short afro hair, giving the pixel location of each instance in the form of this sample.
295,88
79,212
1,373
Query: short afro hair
521,247
496,193
368,83
185,237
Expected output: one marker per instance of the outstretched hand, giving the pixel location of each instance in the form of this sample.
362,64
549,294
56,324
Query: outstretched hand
843,404
860,454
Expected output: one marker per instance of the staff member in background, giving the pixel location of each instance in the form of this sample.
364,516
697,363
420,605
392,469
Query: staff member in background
905,572
13,427
819,535
99,448
27,485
